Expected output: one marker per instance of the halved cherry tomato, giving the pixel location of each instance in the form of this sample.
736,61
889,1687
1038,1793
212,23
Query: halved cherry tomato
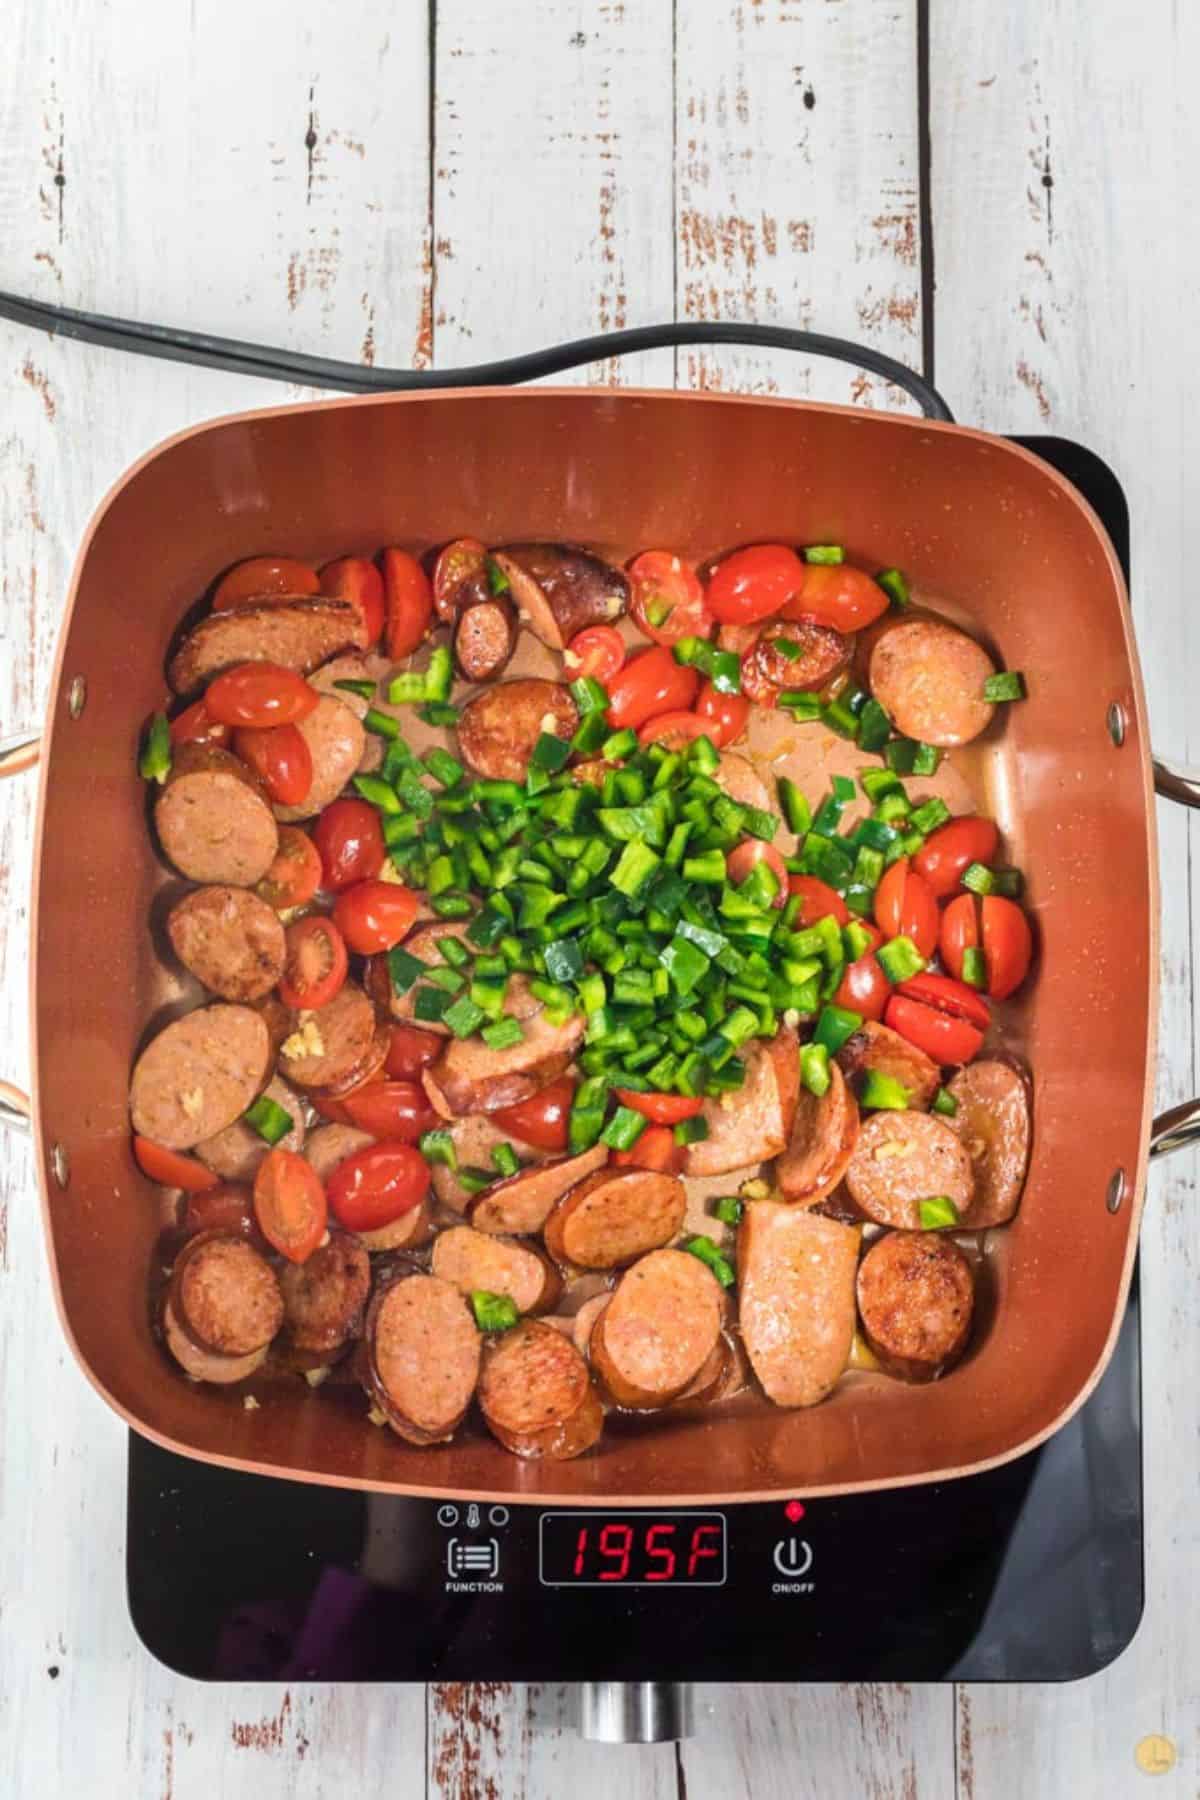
289,1204
349,842
648,685
673,730
598,651
374,915
378,1184
543,1119
948,852
260,693
1007,945
355,578
945,995
461,561
412,1050
817,901
661,1109
864,987
316,963
959,931
754,583
408,602
725,716
656,1149
196,725
667,600
945,1039
171,1169
905,907
295,875
750,851
262,578
280,757
226,1207
391,1109
835,594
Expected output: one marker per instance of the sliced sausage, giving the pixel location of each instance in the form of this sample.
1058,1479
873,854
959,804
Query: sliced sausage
423,944
409,1232
213,818
474,1137
485,638
583,1321
366,1069
993,1122
560,588
298,634
199,1075
754,1122
469,1077
928,677
499,729
712,1380
659,1330
336,739
330,1145
875,1046
795,1299
902,1158
330,1043
742,782
536,1394
351,667
475,1261
822,654
230,940
613,1216
206,1365
823,1137
226,1295
520,1205
324,1297
422,1357
279,1020
915,1297
235,1153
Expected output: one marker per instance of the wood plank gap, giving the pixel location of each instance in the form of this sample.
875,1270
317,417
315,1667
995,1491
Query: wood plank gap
925,193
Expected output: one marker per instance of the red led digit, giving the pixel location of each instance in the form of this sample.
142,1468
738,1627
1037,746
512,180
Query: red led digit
700,1549
661,1551
616,1540
580,1551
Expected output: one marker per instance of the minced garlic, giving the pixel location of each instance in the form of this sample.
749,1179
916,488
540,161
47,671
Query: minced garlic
305,1041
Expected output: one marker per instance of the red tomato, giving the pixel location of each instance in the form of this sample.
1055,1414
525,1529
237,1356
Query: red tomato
905,907
260,693
408,600
196,725
391,1109
817,901
661,1109
374,1186
263,578
355,578
374,915
289,1204
864,987
945,1039
295,875
665,586
945,995
280,757
598,651
946,854
656,1149
349,841
542,1120
1007,945
754,583
459,562
316,963
673,730
750,851
648,685
835,594
171,1169
959,931
725,716
412,1050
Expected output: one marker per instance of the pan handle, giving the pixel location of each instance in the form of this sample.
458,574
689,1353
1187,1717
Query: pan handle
19,752
1176,781
1180,1127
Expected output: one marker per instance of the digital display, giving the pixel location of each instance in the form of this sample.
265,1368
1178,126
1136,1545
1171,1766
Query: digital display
635,1549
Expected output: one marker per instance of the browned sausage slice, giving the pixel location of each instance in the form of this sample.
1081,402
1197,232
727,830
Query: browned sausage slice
213,818
614,1216
475,1137
225,1295
658,1331
485,638
742,782
711,1382
583,1321
822,1142
498,730
559,589
536,1394
230,940
470,1077
875,1046
753,1122
409,1232
520,1205
329,1044
423,944
330,1145
336,739
902,1158
299,634
795,1299
475,1261
916,1296
206,1365
928,677
236,1152
351,667
366,1069
325,1296
199,1075
423,1357
768,671
993,1122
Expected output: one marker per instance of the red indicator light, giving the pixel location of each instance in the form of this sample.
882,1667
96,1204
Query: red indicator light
795,1511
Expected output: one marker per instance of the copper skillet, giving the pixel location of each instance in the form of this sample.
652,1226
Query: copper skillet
984,526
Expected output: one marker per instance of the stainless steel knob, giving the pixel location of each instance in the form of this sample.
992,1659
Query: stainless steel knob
635,1712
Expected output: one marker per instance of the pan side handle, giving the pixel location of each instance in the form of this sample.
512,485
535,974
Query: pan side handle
17,753
1176,781
1180,1127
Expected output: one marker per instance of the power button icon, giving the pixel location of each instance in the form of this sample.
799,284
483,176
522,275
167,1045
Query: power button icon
793,1557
